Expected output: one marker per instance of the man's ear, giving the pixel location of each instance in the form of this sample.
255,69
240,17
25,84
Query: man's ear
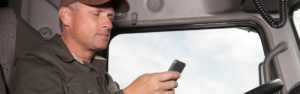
65,15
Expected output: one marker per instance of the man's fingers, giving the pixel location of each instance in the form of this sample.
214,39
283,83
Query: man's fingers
168,85
168,75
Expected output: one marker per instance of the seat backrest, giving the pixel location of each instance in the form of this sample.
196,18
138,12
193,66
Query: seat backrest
15,37
8,31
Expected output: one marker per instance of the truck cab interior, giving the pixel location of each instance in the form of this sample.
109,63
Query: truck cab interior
229,46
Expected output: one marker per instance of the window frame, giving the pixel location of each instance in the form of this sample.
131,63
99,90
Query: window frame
291,14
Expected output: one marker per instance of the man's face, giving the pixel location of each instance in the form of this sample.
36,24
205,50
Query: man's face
91,25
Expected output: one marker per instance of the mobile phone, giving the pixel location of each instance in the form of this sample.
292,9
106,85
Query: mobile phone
177,66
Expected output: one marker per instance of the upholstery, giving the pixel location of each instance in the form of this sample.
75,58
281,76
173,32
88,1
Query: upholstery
15,37
27,36
8,31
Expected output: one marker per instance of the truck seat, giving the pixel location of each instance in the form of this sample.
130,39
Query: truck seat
15,37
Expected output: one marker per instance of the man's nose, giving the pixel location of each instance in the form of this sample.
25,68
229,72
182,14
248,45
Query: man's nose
107,23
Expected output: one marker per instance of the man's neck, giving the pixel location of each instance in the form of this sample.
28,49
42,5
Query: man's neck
77,49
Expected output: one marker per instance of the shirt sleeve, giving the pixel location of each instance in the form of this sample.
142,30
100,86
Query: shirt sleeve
34,76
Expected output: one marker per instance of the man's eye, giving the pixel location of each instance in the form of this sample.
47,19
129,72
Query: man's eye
96,14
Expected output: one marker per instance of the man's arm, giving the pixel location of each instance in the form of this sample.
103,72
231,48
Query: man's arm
34,76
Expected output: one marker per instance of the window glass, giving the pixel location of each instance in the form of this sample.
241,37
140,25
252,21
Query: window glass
296,17
218,61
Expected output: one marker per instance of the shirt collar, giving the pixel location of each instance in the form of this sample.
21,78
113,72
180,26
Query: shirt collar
81,62
76,58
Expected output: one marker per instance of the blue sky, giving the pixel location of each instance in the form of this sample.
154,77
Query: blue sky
217,60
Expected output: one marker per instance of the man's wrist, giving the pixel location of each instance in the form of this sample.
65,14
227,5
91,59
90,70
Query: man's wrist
125,90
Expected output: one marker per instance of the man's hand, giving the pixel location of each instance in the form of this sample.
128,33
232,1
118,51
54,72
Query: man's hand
156,83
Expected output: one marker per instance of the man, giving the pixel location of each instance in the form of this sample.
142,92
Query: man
67,63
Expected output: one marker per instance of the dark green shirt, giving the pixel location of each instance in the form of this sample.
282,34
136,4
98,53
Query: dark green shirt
50,68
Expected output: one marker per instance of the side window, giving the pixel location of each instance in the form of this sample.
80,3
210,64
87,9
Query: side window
296,18
218,61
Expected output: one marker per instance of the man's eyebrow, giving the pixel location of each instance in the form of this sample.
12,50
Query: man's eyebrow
111,14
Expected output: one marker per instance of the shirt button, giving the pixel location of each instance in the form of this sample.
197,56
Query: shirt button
89,91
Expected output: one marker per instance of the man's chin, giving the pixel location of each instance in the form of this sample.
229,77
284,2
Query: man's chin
99,48
99,45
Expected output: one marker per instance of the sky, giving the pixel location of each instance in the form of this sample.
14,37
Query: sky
217,61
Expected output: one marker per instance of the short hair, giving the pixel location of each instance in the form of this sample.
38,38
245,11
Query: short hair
74,7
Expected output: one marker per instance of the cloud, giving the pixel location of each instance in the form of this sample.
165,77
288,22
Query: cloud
218,60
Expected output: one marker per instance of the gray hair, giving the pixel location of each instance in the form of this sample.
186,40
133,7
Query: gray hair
74,7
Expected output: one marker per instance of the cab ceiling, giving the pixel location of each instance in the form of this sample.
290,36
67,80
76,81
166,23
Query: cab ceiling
150,10
222,6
